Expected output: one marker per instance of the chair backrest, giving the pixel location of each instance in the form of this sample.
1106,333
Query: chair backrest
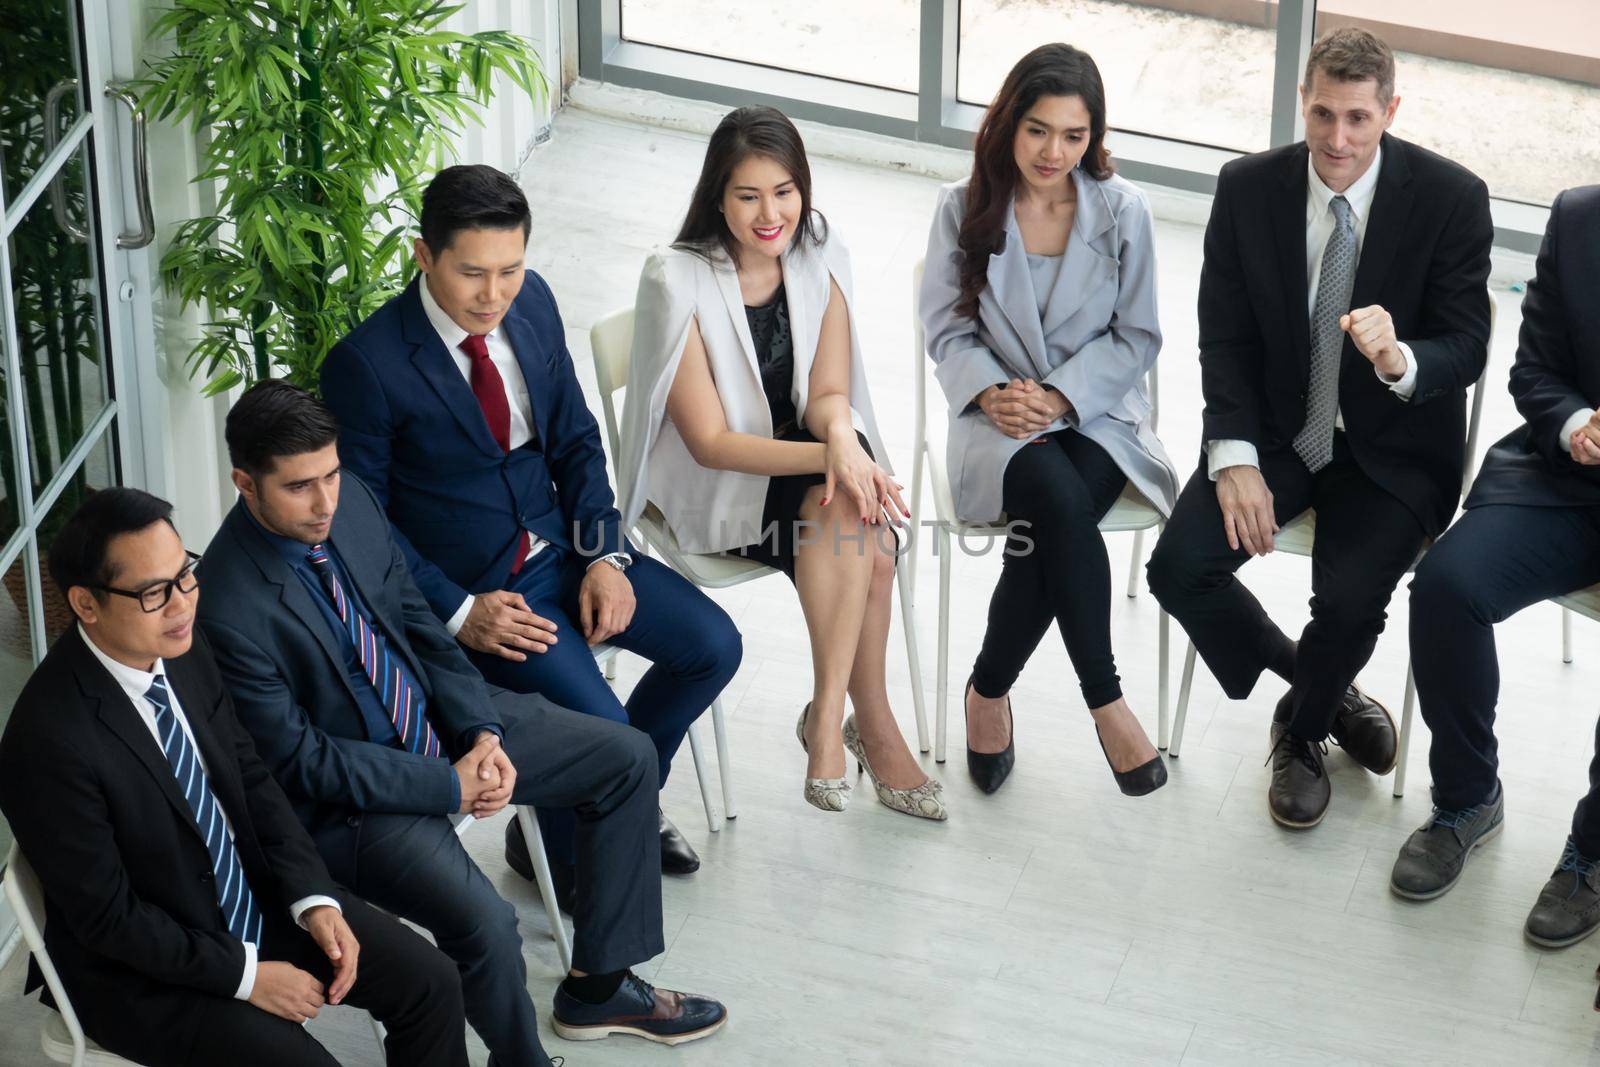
1476,414
611,340
26,896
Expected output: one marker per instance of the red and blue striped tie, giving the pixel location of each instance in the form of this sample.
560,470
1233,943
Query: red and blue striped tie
394,686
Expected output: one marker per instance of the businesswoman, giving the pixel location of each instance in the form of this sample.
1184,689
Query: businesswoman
1039,304
748,426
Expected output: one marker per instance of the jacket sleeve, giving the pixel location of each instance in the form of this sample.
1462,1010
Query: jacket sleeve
1106,369
573,451
1544,380
307,760
1453,342
351,388
1231,346
962,363
58,809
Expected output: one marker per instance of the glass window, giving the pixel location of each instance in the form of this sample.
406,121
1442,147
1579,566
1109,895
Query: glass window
1513,97
16,656
1191,77
871,43
98,471
38,97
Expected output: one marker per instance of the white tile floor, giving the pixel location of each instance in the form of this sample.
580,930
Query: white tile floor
1057,922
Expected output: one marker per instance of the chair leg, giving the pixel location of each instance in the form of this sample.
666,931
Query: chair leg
724,764
1566,636
1133,564
908,621
611,669
1164,736
942,700
713,820
915,542
528,819
1183,704
1405,732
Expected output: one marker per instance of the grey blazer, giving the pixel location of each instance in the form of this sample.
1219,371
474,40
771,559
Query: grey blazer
1095,342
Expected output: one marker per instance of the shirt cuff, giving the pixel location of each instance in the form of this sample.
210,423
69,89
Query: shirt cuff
298,909
459,619
1406,384
1570,427
471,733
247,981
627,560
1226,453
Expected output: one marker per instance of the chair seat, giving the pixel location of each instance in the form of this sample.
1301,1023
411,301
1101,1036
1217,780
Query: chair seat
1585,602
57,1046
1297,535
709,570
1130,512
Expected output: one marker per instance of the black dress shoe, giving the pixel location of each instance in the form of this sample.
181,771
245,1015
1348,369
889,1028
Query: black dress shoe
1365,730
677,856
989,770
563,876
1145,778
1299,791
640,1009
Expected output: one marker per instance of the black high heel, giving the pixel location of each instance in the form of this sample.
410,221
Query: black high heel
1145,778
989,770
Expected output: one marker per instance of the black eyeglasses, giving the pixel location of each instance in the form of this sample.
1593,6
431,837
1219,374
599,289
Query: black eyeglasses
154,597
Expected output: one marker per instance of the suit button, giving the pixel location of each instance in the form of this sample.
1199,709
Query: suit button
354,820
208,877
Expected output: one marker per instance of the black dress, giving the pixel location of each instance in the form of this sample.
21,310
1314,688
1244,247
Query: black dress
780,515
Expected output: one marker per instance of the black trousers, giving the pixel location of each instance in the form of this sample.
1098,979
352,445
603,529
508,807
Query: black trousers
1495,561
1365,540
406,983
415,866
1056,491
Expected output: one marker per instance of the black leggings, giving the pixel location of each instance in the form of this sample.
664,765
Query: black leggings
1056,491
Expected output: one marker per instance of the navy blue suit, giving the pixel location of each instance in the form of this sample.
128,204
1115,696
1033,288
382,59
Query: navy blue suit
411,427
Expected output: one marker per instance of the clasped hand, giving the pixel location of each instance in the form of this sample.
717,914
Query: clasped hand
1022,407
284,990
1585,442
867,485
486,776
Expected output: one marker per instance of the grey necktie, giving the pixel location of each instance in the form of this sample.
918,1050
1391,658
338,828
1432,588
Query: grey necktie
1314,443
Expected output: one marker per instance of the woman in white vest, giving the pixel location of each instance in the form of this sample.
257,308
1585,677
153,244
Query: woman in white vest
748,427
1039,303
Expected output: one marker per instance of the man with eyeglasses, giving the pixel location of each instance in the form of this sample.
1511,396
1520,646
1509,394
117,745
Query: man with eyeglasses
189,915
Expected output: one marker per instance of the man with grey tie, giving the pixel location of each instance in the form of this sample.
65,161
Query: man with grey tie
1343,315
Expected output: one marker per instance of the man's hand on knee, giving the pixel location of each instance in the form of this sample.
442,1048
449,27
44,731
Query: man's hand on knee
501,623
1246,504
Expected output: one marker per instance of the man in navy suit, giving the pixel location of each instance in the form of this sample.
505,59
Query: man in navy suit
368,714
458,406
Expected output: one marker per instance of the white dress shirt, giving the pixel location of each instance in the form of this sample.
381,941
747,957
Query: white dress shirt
136,684
1320,223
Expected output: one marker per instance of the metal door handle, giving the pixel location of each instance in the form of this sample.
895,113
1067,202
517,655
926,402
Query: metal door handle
141,171
52,137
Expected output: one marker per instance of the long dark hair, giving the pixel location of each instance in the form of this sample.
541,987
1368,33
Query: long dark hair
1049,70
742,133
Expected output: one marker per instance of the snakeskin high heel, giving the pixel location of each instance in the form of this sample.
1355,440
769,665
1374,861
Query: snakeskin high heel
926,801
828,794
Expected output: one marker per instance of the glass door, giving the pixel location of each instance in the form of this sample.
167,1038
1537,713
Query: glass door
73,207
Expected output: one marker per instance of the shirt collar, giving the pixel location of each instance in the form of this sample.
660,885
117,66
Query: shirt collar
293,552
1359,195
134,682
449,331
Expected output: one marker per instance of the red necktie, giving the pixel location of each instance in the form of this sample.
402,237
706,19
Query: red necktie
490,389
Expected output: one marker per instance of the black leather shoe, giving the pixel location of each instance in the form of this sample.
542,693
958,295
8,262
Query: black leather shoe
640,1009
563,876
1145,778
989,770
677,856
1365,730
1299,792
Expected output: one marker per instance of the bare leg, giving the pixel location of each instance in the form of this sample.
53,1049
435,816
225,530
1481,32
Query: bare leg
832,573
891,758
1124,738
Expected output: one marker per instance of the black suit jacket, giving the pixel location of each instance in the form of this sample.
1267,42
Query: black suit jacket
1425,259
1557,371
131,900
288,679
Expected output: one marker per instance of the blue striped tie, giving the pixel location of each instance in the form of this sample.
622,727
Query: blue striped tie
394,686
233,892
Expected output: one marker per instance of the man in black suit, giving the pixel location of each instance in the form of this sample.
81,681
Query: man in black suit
1343,315
187,911
1531,532
367,712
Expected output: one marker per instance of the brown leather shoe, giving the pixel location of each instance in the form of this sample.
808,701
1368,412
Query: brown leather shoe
1299,792
1365,730
640,1009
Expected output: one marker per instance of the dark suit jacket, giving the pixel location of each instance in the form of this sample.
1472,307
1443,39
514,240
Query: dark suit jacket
1425,259
131,900
411,428
288,679
1557,371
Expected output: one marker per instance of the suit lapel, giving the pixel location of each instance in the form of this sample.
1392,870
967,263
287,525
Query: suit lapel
732,299
535,374
438,368
1085,266
222,766
1288,220
1391,207
369,586
1012,285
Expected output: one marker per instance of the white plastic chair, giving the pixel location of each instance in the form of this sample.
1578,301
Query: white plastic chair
1131,513
1296,538
528,820
612,342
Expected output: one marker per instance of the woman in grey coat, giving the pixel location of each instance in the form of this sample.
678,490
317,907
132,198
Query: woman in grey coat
1038,300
